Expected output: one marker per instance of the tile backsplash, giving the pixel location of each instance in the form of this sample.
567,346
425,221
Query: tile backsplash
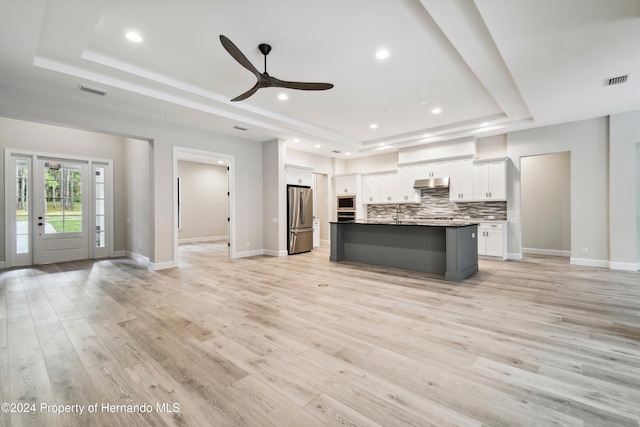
435,203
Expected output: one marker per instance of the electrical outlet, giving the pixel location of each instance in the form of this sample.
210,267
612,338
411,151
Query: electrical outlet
585,251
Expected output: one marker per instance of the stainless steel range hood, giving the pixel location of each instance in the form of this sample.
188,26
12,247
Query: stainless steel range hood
431,183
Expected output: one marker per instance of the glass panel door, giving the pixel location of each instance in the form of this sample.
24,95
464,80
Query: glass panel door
61,209
23,239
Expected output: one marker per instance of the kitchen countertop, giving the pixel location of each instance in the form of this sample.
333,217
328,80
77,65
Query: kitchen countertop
420,222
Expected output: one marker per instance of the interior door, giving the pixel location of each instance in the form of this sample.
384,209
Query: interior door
61,211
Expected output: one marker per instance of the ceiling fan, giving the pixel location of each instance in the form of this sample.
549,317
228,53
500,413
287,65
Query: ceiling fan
264,79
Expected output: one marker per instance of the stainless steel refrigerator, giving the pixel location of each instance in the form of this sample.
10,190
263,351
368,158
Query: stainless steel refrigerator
300,219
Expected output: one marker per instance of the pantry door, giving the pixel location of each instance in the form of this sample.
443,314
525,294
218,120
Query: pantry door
61,210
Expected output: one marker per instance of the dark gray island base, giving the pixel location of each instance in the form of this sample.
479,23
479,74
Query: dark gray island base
449,249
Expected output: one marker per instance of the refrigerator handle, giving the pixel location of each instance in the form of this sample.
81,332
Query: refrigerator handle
301,207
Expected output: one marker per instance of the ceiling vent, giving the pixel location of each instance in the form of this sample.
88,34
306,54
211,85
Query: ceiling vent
238,127
616,80
92,90
337,151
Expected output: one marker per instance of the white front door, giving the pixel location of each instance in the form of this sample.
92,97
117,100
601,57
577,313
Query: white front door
61,211
57,209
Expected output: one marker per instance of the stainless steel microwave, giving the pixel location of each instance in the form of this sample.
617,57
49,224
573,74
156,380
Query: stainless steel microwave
347,203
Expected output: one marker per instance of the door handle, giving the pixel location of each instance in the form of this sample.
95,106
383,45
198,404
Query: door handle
40,223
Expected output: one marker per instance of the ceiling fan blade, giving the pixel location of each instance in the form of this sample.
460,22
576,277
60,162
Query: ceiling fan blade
300,85
238,56
247,94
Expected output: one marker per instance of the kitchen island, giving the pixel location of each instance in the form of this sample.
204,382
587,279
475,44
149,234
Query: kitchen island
447,248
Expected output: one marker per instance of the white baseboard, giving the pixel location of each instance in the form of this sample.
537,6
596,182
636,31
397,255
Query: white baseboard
275,253
202,239
3,264
626,266
551,252
248,253
589,262
139,259
515,256
162,265
325,242
118,254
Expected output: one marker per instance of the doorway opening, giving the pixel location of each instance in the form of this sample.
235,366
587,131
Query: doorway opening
202,203
546,204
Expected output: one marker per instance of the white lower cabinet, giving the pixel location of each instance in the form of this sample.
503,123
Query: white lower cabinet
492,239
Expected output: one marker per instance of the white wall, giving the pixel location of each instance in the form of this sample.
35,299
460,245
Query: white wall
319,164
274,187
624,137
638,203
546,204
247,173
137,195
588,143
36,137
203,191
491,147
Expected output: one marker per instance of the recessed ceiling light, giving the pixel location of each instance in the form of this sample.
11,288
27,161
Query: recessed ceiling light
373,126
133,36
382,54
347,153
283,97
296,140
221,162
436,110
317,145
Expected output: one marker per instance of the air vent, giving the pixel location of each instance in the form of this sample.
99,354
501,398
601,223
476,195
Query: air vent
616,80
92,90
238,127
337,151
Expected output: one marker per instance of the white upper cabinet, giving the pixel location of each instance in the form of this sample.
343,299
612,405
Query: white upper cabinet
405,193
299,176
379,188
461,180
432,170
348,184
490,180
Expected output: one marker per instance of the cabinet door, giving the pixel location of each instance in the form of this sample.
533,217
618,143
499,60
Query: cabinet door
482,242
346,184
494,243
422,171
440,169
481,181
299,176
368,189
497,176
387,187
305,177
461,183
405,193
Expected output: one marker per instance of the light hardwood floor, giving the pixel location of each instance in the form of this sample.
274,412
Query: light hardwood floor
301,341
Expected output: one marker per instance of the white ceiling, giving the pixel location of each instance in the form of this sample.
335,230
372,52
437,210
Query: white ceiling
490,65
